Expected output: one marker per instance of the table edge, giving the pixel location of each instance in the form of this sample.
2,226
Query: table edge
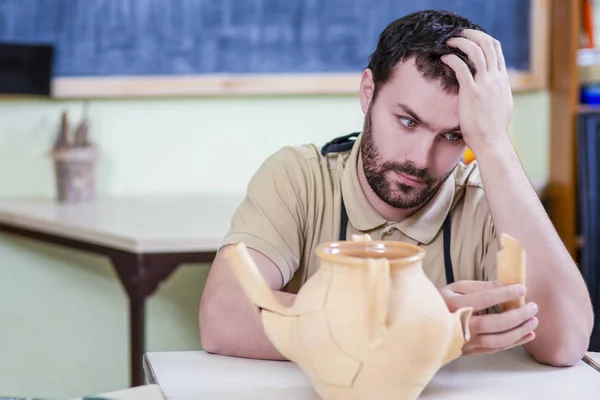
111,241
591,362
149,373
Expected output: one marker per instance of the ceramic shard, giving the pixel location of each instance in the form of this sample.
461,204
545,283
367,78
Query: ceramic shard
511,268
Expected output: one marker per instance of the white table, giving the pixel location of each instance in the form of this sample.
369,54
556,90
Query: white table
133,224
507,375
145,238
145,392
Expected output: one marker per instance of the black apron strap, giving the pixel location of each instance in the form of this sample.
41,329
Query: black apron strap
447,254
343,221
339,145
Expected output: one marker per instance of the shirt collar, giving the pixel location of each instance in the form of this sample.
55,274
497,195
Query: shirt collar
423,226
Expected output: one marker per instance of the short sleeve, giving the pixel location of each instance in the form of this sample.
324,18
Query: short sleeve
272,216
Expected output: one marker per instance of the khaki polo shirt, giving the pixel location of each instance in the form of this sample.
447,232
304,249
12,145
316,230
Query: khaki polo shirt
293,204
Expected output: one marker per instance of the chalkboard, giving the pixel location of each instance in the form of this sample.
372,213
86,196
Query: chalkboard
175,38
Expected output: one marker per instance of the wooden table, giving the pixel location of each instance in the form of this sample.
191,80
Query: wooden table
146,239
507,375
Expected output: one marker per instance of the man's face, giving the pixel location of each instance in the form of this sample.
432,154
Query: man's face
411,138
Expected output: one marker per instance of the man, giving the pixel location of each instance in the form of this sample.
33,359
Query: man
435,84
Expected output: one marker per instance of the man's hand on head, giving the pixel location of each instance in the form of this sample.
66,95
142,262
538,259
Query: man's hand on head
485,100
491,333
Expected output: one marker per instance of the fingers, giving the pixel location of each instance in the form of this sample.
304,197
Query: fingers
525,339
501,341
486,44
460,68
494,323
472,50
484,51
485,350
500,55
465,287
494,332
489,298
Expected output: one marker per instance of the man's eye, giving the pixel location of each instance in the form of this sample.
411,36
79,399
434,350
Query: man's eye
407,122
452,137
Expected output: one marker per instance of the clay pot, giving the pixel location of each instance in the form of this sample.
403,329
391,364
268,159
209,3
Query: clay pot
368,324
74,169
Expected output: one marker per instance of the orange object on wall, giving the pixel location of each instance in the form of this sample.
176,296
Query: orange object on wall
468,156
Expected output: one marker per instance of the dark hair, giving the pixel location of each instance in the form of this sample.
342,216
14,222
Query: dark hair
421,35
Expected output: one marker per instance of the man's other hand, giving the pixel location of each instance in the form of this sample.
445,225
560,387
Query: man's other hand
494,332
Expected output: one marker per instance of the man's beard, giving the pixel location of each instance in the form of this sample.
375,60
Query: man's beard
395,194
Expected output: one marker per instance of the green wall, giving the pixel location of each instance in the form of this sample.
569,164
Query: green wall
63,313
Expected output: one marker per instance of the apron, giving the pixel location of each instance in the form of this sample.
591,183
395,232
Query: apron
345,143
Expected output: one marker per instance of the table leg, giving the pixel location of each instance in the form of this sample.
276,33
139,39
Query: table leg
140,282
140,274
137,333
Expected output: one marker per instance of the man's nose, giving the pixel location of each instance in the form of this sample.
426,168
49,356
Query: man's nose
420,154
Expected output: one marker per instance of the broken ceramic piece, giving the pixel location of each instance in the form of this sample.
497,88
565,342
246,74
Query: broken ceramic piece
511,267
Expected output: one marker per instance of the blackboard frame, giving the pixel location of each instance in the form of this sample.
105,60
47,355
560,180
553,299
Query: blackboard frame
535,78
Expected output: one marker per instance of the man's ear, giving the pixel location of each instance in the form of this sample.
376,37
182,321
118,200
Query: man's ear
367,88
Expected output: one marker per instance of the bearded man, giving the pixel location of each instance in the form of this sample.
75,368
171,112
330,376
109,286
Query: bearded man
435,85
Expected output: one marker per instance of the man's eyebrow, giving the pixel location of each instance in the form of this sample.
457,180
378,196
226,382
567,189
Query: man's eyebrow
414,115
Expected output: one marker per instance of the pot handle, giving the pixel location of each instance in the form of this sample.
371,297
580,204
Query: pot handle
378,292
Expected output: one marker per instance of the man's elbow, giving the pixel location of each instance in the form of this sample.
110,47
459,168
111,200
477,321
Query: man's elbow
210,340
212,327
563,357
573,342
566,351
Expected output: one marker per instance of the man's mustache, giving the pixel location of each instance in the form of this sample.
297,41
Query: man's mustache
410,170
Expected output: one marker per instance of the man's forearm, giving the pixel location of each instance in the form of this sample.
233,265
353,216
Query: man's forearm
553,281
230,326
